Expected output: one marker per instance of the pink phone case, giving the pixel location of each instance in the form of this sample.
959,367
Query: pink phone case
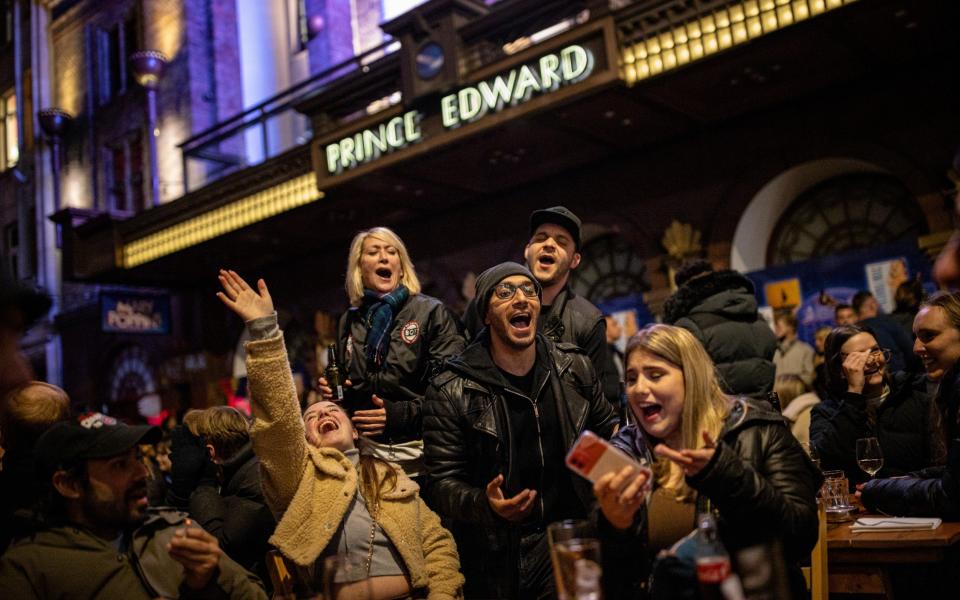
592,457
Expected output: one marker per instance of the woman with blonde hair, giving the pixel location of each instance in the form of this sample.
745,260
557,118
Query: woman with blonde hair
709,452
389,343
331,500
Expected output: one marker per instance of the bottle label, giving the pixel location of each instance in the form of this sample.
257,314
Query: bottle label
339,392
713,569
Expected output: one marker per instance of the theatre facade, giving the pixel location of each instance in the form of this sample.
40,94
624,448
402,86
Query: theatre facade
757,133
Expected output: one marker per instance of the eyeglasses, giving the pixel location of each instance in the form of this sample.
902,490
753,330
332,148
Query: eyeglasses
505,290
875,354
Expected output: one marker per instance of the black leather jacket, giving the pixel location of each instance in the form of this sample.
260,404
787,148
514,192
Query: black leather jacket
467,439
759,480
575,320
423,334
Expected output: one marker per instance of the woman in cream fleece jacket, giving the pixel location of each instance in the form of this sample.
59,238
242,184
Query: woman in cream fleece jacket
317,485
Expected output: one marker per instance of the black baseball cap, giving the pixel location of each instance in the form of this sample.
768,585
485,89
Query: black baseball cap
558,215
93,435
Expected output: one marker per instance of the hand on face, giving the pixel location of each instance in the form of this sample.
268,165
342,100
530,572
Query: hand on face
513,509
198,552
239,297
691,461
620,495
863,363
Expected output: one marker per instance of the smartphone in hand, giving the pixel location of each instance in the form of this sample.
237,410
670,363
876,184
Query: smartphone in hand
592,457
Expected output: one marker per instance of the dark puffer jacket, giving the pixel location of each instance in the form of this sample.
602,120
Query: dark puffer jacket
934,491
423,334
760,481
468,440
902,426
720,310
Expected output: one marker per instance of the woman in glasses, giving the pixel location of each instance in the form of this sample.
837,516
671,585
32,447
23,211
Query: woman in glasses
864,399
389,343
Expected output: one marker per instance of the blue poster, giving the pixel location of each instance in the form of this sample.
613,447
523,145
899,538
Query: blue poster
129,312
838,277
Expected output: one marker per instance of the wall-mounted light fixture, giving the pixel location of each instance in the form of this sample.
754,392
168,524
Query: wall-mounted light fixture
148,69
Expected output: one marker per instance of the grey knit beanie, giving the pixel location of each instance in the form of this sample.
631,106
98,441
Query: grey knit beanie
494,275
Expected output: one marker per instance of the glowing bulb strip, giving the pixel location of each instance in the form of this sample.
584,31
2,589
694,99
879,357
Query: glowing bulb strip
721,29
246,211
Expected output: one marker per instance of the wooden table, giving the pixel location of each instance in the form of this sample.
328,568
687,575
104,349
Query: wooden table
858,561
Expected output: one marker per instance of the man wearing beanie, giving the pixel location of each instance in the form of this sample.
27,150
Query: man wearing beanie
551,253
498,422
98,539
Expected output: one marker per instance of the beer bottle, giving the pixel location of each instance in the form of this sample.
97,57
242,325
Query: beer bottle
332,374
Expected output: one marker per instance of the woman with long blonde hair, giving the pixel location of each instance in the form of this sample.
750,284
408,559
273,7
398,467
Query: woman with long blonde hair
389,342
708,452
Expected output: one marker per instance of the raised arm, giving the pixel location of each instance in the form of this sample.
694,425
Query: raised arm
277,432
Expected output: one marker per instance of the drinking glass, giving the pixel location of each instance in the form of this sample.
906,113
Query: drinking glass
345,578
869,455
570,541
835,491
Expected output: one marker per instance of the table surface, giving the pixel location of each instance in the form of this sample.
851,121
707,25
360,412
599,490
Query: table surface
839,536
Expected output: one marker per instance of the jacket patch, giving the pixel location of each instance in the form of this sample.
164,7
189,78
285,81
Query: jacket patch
410,332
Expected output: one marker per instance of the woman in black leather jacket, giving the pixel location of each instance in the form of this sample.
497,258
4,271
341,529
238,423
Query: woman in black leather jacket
934,491
735,456
390,342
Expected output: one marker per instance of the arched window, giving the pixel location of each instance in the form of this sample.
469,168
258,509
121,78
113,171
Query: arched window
610,269
843,213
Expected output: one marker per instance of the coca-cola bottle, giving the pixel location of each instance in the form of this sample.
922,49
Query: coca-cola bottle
714,573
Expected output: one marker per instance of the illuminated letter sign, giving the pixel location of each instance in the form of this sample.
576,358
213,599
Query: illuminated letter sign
570,65
370,144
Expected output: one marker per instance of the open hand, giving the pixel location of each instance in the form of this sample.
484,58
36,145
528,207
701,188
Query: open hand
198,552
242,299
373,421
621,495
513,509
691,461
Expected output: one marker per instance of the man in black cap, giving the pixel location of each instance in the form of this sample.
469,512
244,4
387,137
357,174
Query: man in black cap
551,253
497,425
99,539
20,306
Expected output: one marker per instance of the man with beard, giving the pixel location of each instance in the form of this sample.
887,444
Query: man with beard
497,425
551,253
99,539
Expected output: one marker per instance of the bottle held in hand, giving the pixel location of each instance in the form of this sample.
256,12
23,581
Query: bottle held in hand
332,373
714,573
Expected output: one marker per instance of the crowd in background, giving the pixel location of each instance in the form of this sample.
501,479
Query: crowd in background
432,456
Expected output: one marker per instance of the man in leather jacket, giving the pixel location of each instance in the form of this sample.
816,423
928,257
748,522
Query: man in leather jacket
551,253
497,425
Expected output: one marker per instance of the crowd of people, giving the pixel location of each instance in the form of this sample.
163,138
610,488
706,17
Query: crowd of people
436,462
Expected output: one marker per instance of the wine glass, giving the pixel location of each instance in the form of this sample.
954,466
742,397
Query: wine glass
869,455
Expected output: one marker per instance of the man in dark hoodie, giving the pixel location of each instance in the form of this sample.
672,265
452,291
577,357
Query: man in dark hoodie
720,310
497,424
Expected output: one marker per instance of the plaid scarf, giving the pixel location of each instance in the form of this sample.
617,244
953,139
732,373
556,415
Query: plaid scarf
380,312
